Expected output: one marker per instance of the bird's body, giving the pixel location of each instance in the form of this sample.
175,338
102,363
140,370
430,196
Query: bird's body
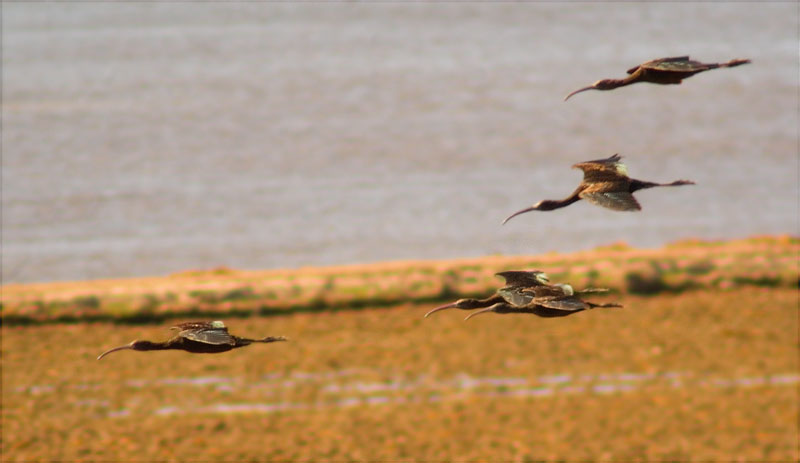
197,338
605,183
528,292
548,303
513,279
665,71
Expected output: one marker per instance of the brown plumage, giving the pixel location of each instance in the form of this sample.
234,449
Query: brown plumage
521,287
198,338
605,183
548,303
513,279
663,71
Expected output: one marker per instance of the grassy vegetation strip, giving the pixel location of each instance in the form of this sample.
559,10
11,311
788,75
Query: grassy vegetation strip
688,265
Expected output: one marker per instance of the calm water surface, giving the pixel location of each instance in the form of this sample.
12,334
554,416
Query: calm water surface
146,138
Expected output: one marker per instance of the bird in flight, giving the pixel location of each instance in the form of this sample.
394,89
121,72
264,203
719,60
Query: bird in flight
543,302
520,289
605,183
198,338
513,279
663,71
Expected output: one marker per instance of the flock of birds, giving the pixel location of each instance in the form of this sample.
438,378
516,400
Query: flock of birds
605,183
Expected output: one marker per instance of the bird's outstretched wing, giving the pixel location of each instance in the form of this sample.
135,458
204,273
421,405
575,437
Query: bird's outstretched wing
677,64
206,332
211,336
516,296
615,200
215,325
567,303
522,277
610,169
548,290
656,62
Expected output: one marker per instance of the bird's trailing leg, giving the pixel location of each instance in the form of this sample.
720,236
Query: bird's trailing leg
267,339
637,185
734,63
598,306
592,290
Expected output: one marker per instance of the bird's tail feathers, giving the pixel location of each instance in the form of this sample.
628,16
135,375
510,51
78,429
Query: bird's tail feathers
593,290
271,339
680,182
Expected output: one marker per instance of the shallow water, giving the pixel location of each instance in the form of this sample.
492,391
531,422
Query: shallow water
150,138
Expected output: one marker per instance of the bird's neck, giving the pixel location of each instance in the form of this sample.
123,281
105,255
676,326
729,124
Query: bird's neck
616,83
150,345
550,204
479,303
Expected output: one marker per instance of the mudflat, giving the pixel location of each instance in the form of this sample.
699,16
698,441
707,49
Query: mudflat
697,375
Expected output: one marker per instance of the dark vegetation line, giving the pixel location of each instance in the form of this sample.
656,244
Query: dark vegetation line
245,303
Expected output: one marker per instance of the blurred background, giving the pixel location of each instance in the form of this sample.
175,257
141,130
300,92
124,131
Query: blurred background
149,138
144,139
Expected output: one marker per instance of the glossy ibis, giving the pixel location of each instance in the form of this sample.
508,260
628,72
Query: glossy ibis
544,304
513,279
605,183
198,338
663,71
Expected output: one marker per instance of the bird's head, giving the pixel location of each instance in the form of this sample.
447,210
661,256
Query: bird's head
546,205
500,307
605,84
543,205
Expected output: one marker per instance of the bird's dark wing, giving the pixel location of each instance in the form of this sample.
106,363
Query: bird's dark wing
677,64
215,325
633,69
516,296
615,200
609,161
603,170
520,277
216,336
567,303
545,291
652,64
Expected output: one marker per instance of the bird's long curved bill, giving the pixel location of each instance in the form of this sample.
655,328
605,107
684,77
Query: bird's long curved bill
527,209
488,309
448,306
113,350
591,87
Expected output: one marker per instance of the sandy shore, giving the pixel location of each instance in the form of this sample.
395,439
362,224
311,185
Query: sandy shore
768,261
